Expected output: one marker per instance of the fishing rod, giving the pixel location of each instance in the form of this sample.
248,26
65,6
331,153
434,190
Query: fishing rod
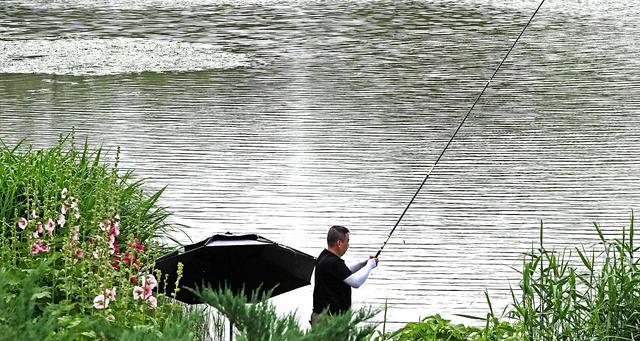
457,130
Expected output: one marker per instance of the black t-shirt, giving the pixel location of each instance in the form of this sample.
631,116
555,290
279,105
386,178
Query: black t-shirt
330,291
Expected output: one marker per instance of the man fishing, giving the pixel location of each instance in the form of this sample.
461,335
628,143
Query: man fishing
334,279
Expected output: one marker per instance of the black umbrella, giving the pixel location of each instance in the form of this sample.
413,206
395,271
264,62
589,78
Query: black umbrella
241,262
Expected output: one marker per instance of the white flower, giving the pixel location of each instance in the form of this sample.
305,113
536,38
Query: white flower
64,209
61,220
76,214
76,233
64,192
100,302
34,214
50,225
22,223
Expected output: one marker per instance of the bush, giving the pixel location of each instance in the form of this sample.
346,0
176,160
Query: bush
77,248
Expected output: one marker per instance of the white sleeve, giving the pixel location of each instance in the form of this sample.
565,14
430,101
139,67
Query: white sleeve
357,279
356,266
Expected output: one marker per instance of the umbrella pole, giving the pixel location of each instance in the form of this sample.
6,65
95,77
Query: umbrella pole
230,330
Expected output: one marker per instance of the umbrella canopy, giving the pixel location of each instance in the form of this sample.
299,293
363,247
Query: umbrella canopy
241,262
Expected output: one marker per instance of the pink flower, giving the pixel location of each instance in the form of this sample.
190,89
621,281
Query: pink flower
150,280
148,291
61,220
79,253
133,280
153,302
36,235
38,247
64,192
39,228
138,293
50,225
64,209
22,223
100,302
115,229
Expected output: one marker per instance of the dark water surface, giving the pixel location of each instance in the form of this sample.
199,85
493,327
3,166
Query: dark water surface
286,117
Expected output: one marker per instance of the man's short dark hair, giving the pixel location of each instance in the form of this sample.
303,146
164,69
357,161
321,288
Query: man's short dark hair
336,233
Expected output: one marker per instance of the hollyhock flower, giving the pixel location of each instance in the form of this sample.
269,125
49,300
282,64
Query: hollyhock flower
137,246
36,235
64,193
115,229
76,233
64,209
39,228
110,294
133,279
95,254
128,259
76,214
138,293
74,203
38,247
50,225
34,215
22,223
153,302
61,220
79,252
117,217
100,302
35,248
148,291
150,280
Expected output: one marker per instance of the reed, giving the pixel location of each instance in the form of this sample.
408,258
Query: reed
598,299
592,294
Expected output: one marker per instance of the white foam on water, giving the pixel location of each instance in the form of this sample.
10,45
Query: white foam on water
82,57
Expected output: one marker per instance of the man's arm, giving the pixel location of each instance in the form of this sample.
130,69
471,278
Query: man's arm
357,279
356,266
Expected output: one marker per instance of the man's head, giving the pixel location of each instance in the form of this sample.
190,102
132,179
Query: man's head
338,240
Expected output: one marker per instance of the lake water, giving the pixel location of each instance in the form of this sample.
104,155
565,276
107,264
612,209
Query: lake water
283,118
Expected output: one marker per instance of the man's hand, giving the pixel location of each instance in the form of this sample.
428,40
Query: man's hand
376,258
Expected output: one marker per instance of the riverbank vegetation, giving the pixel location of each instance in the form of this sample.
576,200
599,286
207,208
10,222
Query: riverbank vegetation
78,238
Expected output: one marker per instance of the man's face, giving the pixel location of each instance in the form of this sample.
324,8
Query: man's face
343,245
